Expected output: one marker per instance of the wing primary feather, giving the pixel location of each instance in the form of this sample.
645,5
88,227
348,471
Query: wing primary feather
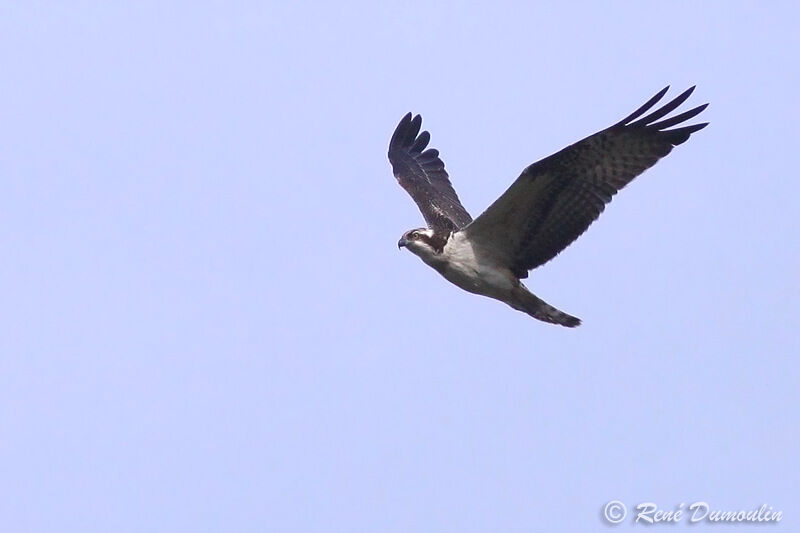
428,155
421,142
400,132
412,131
647,105
677,119
680,135
665,110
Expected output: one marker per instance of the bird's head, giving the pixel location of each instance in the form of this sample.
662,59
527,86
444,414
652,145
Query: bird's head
422,242
414,238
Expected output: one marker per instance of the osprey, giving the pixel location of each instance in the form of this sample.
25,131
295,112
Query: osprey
550,204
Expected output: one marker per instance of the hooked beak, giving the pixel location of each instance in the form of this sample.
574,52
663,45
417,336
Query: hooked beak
401,243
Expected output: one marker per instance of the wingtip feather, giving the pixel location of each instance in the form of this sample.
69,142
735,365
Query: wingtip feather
677,119
664,110
421,142
643,109
399,134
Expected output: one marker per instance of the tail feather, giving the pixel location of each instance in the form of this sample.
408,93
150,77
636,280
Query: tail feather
529,303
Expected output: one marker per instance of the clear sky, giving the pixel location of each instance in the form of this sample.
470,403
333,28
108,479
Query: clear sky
206,325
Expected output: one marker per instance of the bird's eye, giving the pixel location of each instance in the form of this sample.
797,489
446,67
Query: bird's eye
413,235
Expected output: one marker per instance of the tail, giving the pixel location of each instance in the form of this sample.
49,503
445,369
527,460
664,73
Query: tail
527,302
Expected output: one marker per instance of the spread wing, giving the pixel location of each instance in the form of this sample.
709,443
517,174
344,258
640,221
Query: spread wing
421,173
556,199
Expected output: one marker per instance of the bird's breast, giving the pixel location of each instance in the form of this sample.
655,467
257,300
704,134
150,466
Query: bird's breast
463,265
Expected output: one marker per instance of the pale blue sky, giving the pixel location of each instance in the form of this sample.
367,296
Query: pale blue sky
206,324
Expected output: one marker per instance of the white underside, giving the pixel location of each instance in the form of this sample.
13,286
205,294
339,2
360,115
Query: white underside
463,264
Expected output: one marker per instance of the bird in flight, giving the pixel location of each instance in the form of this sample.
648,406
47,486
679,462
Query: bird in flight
550,204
